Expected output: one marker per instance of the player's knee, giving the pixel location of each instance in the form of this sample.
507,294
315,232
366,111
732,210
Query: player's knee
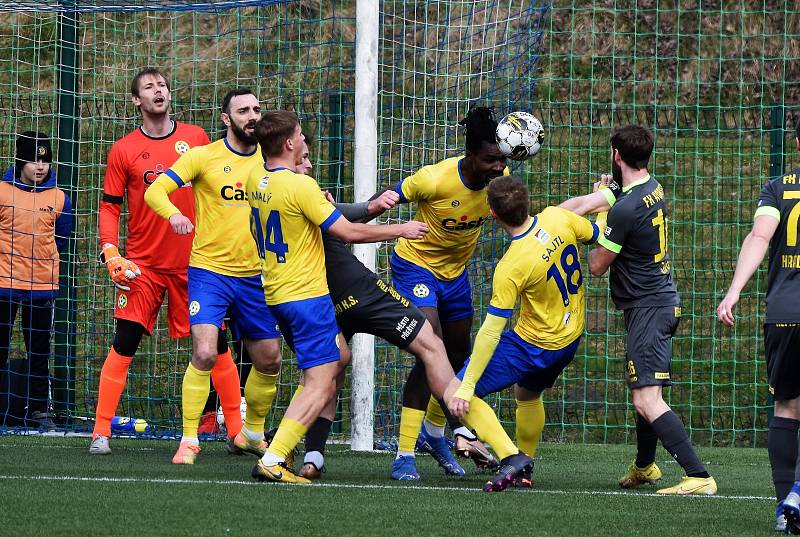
205,358
647,401
127,337
267,357
789,408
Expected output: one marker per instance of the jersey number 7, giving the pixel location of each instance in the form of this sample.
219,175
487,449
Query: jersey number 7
570,265
269,237
791,224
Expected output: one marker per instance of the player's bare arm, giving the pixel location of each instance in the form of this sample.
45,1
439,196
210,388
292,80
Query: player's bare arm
754,248
359,233
600,259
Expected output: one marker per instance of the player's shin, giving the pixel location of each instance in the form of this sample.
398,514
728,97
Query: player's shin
530,424
482,419
196,386
112,383
225,377
259,392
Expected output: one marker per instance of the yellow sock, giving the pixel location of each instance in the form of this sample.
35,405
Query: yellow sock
434,413
482,419
289,434
410,422
530,424
259,392
194,393
297,392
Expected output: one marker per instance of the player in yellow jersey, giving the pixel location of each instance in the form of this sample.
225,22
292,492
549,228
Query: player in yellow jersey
289,211
224,272
542,269
451,199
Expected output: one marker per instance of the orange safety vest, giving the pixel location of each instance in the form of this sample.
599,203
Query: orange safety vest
29,258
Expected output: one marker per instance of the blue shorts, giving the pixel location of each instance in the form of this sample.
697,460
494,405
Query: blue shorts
309,327
452,298
515,361
211,295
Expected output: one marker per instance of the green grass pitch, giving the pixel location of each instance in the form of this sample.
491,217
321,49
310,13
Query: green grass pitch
52,486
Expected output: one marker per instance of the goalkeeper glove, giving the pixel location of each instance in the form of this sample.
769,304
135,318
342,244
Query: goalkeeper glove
120,269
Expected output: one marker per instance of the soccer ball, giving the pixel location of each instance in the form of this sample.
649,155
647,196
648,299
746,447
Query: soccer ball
519,135
221,416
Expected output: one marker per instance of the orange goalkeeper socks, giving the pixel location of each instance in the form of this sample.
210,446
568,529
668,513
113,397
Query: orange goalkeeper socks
112,382
225,377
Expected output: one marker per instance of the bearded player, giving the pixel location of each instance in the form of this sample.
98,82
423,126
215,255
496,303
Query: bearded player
224,272
157,259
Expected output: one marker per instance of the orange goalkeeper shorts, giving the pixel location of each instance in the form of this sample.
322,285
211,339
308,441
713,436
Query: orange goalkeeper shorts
142,303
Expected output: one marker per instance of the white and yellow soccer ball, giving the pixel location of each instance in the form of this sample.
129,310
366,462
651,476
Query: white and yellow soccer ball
221,416
519,135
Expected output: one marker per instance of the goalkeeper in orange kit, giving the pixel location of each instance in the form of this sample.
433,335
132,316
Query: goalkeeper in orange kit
157,259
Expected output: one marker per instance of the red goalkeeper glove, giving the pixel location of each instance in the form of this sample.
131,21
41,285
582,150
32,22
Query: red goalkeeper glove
120,269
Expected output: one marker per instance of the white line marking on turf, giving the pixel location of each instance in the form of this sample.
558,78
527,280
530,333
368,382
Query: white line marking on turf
356,486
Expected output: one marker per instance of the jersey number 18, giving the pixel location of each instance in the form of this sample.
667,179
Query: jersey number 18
570,265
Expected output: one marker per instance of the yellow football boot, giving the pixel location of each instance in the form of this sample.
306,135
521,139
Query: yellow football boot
692,485
278,473
639,476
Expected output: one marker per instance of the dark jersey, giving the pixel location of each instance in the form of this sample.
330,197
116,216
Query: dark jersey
344,271
641,275
780,199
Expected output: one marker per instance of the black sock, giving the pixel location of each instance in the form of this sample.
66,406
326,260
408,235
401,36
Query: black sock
317,435
782,449
452,421
646,442
672,433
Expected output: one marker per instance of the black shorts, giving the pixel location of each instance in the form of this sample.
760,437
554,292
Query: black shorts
782,345
376,308
649,345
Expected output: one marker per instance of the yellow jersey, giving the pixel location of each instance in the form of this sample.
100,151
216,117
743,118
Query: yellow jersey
542,267
288,212
218,173
454,214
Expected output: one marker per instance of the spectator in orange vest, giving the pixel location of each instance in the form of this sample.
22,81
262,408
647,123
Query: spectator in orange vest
36,220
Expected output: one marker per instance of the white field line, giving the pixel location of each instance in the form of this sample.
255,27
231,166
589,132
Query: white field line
354,486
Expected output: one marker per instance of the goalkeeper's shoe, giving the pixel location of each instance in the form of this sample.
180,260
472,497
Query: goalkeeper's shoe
475,450
437,447
692,485
510,468
186,454
240,444
636,476
99,446
404,468
310,471
208,423
278,473
791,510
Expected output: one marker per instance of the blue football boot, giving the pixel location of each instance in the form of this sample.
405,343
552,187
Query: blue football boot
405,469
439,450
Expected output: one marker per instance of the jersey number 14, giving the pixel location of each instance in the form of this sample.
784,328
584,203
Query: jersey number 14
269,237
